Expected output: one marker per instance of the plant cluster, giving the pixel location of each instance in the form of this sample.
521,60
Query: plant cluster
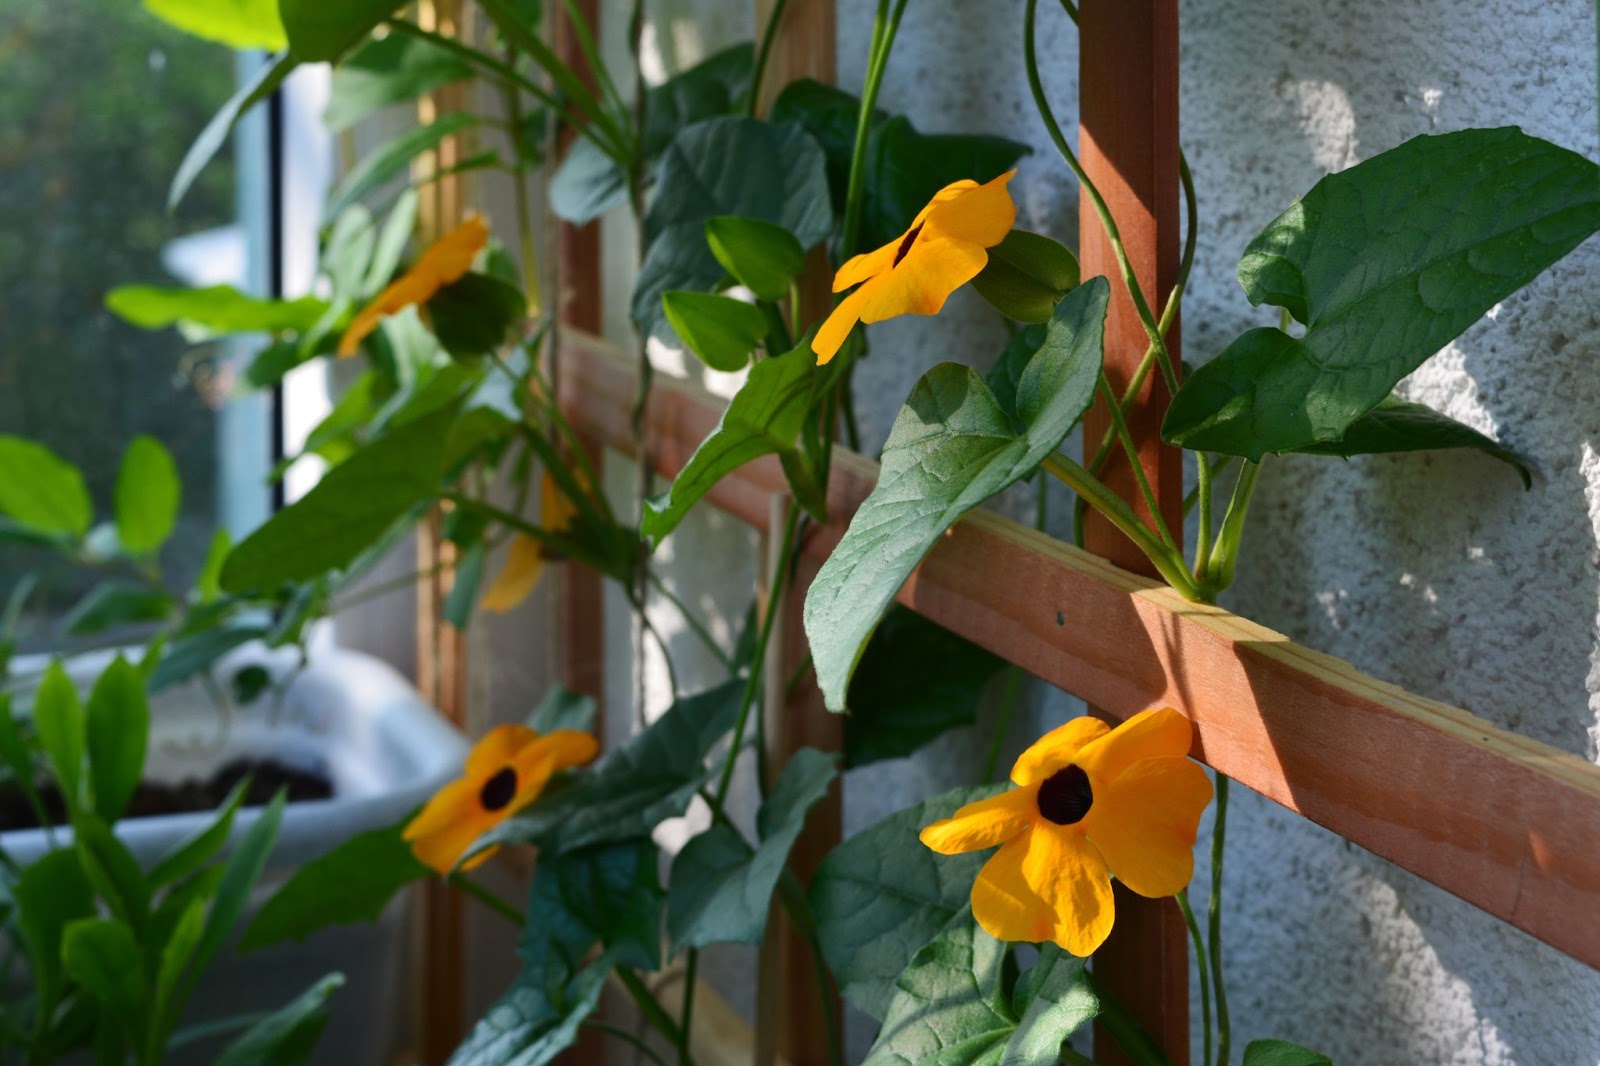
927,921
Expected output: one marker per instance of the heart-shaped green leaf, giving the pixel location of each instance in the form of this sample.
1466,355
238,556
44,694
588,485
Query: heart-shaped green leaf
722,331
147,496
1026,276
1398,426
40,490
761,256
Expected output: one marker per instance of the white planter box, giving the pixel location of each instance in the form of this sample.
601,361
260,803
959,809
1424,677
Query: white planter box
360,724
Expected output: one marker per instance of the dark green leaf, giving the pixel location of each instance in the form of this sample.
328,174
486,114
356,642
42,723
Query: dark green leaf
176,930
1026,276
587,184
116,603
58,720
721,330
239,879
464,588
608,894
651,777
321,32
1006,374
720,889
764,417
951,448
211,311
147,496
527,1027
250,683
41,490
287,1036
1052,1000
391,70
118,731
211,139
1384,264
14,752
916,680
717,85
103,957
198,848
759,255
905,168
1398,426
881,895
49,895
563,709
192,654
829,114
382,165
475,315
112,870
949,1007
1282,1053
349,508
238,24
350,884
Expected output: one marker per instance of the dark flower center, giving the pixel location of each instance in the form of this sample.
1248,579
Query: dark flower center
1065,797
905,245
499,790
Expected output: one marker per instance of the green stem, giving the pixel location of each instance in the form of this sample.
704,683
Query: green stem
1008,703
1219,827
768,37
648,1005
1120,426
686,1018
1168,563
694,624
591,55
626,1037
795,901
530,256
488,899
1205,974
1113,234
1225,553
1202,541
884,28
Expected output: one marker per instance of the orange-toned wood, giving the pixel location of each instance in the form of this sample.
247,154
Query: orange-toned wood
1504,822
1128,114
791,1013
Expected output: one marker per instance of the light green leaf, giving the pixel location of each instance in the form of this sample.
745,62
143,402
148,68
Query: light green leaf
1052,1000
764,417
1384,264
118,731
1026,276
390,243
382,165
1398,426
147,497
949,1006
50,894
587,184
348,885
721,330
349,508
391,70
103,957
287,1036
239,879
40,490
1282,1053
207,584
116,603
239,24
916,681
215,134
58,720
198,848
761,256
321,32
951,448
881,895
651,777
211,311
563,709
720,890
177,947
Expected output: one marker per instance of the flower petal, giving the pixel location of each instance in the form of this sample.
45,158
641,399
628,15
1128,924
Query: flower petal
518,577
921,282
448,825
868,265
1154,734
568,747
534,768
1067,871
443,263
1056,749
452,803
982,215
837,326
442,850
499,747
982,824
1145,821
1003,902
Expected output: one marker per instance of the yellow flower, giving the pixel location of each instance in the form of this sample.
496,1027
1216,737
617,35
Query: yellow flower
526,556
444,263
914,275
506,771
1092,802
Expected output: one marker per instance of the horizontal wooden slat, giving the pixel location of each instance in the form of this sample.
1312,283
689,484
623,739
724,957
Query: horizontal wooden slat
1502,821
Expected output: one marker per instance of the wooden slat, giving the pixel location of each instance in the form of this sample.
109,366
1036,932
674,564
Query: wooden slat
1128,130
1504,822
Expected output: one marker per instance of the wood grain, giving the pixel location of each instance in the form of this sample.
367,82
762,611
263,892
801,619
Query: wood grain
1503,821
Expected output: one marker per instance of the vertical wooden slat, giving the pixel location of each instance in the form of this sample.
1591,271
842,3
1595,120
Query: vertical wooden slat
1128,86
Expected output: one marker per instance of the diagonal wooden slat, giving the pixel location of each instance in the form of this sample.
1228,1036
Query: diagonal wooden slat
1504,822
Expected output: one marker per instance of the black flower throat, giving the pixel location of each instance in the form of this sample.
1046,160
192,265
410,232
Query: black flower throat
905,245
1065,797
499,790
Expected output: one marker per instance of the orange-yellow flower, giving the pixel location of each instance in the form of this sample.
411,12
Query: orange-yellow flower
506,771
914,275
1092,802
444,263
526,556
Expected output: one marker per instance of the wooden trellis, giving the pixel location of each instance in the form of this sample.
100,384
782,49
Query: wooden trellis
1502,821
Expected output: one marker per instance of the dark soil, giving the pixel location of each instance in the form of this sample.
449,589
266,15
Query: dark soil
149,799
